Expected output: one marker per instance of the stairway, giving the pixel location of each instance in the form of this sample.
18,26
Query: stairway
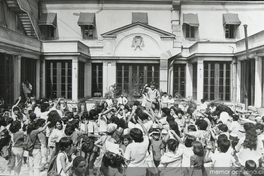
23,10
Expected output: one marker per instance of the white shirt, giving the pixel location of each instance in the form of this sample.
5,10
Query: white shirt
234,127
222,160
137,157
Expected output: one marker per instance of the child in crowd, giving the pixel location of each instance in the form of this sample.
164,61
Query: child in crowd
197,160
157,146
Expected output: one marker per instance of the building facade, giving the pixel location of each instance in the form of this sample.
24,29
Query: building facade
75,49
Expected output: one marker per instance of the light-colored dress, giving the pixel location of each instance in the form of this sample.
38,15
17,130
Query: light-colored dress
59,165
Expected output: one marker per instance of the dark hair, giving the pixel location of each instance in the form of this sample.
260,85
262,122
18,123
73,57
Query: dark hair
172,144
113,160
77,161
136,103
85,116
222,136
65,120
166,111
198,148
180,111
2,121
143,116
32,117
251,138
93,113
15,126
223,144
192,128
201,124
189,140
53,117
9,120
136,134
250,165
16,109
174,126
235,117
69,129
259,126
70,115
40,122
44,107
223,127
64,143
75,123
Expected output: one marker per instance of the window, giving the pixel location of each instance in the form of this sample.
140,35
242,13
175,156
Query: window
217,80
88,32
194,77
189,31
247,81
81,80
179,80
7,78
48,32
59,79
28,72
230,31
132,77
97,78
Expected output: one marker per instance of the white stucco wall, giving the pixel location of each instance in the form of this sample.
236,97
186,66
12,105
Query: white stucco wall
211,20
108,17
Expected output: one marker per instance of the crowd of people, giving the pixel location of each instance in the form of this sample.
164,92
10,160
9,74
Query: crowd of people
155,136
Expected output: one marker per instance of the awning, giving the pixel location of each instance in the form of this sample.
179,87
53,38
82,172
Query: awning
48,19
230,18
140,17
191,19
86,19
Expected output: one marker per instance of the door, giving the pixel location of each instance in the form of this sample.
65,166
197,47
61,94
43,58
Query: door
131,78
179,80
217,80
59,79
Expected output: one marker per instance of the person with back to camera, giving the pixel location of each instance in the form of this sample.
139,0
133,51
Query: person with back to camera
62,160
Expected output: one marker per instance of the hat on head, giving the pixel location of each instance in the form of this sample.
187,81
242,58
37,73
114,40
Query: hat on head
111,127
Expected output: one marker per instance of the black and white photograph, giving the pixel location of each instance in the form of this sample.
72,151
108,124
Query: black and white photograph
131,88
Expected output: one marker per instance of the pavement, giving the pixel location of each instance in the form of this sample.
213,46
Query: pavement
24,169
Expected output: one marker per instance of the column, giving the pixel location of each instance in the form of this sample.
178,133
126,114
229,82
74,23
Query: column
17,76
238,81
75,79
109,75
200,79
234,81
38,79
43,76
175,23
170,81
163,75
88,79
189,82
258,73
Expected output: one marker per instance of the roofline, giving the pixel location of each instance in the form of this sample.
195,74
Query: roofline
111,35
